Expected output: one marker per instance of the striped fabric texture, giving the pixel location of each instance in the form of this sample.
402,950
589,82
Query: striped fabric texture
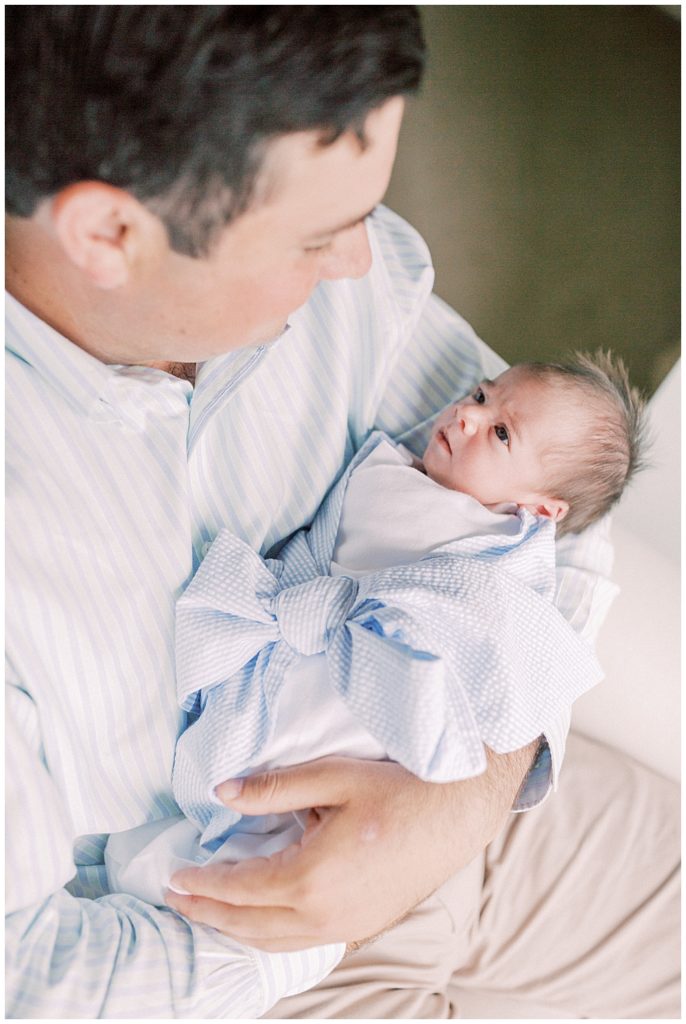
117,480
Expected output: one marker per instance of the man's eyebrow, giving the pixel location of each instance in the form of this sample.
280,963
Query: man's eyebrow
341,227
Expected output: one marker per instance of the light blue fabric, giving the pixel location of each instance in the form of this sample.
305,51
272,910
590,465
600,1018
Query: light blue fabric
435,659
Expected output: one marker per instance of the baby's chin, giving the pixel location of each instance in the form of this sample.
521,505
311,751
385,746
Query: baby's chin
425,465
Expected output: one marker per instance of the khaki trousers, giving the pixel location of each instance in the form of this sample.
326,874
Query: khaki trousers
572,912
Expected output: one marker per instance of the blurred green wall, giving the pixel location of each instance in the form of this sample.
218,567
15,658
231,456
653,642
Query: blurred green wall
541,164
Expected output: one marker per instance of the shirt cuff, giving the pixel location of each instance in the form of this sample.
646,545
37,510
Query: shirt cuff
544,774
238,982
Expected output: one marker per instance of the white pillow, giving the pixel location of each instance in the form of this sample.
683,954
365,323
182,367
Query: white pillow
637,707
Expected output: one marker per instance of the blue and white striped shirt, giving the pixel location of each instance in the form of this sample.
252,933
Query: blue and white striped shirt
117,479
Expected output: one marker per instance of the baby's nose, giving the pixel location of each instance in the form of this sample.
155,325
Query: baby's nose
468,418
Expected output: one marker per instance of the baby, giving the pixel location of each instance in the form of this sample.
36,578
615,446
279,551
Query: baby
560,441
413,620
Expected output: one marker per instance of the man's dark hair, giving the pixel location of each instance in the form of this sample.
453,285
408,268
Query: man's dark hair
175,104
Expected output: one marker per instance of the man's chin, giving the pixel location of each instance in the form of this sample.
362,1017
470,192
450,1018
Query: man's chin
276,334
267,336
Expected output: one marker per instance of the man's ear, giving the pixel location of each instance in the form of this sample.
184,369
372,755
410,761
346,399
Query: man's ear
550,508
96,225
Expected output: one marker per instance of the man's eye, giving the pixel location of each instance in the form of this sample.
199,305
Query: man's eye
318,248
479,396
502,434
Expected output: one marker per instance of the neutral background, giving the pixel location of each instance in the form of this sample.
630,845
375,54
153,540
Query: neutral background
541,164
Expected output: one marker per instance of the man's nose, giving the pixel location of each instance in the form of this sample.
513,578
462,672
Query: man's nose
350,255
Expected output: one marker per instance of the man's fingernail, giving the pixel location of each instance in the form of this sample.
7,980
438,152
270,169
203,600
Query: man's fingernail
174,883
229,790
178,890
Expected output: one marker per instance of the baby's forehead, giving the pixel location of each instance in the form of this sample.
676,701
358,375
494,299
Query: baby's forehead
529,383
551,401
526,386
522,383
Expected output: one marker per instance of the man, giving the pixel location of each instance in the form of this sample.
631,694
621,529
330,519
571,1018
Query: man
205,321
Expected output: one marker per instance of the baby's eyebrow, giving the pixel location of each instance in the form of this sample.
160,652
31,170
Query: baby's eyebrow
515,424
513,419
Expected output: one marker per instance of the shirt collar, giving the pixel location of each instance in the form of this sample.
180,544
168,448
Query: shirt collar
219,379
80,377
87,383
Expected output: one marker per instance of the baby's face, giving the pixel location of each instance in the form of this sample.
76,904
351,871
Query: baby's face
492,443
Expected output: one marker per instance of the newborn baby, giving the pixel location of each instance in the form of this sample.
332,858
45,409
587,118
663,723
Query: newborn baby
413,620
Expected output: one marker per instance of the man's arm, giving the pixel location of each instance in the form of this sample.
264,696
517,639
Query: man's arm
378,842
111,957
74,957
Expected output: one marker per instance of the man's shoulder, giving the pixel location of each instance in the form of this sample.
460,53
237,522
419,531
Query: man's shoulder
400,257
399,242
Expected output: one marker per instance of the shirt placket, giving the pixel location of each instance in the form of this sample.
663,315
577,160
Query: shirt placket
218,381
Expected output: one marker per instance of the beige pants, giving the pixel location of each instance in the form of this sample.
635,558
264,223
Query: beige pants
572,912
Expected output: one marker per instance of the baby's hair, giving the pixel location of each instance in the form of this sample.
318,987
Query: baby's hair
592,473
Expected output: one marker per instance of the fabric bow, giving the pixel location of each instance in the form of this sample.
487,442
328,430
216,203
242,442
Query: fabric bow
435,659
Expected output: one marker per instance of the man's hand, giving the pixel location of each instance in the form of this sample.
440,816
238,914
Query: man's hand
378,842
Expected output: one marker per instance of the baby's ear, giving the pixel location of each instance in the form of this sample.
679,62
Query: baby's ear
550,508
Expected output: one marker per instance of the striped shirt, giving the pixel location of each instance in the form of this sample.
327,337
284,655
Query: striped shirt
118,478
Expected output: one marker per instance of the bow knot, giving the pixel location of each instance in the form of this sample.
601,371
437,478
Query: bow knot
308,614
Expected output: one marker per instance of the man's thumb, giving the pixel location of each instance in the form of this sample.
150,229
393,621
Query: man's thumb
315,784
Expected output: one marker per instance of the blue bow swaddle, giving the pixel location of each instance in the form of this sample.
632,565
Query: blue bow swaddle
436,659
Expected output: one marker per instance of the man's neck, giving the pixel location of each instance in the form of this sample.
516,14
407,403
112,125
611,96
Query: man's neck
184,371
39,276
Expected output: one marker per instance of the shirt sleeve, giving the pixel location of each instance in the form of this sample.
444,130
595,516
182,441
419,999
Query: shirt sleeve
71,957
584,593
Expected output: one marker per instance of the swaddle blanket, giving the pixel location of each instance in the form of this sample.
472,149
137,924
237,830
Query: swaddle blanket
436,659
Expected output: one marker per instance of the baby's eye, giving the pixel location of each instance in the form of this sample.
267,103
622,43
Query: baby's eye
479,396
502,434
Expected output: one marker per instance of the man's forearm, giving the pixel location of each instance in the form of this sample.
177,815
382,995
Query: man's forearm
483,803
494,794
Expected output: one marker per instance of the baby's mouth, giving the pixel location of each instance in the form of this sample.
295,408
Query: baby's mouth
442,439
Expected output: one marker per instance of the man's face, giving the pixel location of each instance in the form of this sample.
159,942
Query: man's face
492,444
305,226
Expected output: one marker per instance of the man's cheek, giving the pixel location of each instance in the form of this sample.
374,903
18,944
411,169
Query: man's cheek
293,290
